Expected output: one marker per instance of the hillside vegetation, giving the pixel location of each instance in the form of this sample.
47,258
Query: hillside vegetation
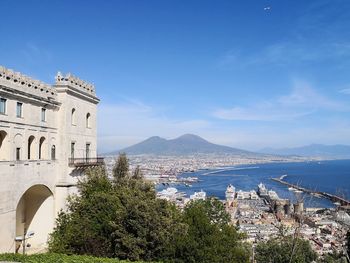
58,258
122,218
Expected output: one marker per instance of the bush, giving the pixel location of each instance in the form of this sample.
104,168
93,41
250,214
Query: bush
285,249
122,218
209,237
56,258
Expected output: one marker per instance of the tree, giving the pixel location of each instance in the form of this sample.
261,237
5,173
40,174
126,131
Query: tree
121,168
280,250
348,243
116,218
123,218
333,258
209,238
137,173
85,228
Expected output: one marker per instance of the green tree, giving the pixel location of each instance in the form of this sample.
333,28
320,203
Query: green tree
348,243
121,168
116,218
123,218
85,228
209,238
281,250
333,258
137,173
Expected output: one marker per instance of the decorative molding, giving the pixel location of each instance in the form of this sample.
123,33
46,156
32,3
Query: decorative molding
75,82
27,83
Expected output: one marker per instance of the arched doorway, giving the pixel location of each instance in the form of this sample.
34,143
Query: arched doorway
31,147
42,148
4,146
35,215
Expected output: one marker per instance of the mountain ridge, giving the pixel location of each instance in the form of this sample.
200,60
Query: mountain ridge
186,144
338,151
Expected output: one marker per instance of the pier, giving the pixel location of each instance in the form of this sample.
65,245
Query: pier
333,198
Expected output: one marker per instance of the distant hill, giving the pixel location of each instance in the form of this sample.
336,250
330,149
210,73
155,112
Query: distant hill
317,150
184,145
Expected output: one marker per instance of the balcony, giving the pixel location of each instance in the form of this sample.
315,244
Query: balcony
85,162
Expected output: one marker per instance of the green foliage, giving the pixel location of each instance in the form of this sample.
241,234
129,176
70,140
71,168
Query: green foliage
333,258
144,226
57,258
85,229
137,174
122,218
116,218
286,249
208,238
121,168
348,242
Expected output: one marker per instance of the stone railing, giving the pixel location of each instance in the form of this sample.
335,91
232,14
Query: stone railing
84,162
75,82
25,83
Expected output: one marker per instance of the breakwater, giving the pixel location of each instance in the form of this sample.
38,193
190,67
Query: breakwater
334,198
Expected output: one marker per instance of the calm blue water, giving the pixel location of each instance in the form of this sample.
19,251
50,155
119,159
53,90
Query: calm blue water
328,176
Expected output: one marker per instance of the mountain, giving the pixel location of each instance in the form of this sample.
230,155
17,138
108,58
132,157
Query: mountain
316,150
184,145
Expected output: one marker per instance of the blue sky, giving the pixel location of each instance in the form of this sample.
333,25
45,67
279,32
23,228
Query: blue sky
229,71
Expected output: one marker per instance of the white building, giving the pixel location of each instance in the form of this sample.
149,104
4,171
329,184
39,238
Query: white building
230,195
47,139
253,195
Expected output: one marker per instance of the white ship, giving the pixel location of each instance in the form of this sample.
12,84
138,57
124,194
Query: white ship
198,195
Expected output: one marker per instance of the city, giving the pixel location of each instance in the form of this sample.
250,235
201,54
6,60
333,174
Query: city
187,131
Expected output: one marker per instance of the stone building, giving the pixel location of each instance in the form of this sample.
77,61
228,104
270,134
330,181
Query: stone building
47,140
230,195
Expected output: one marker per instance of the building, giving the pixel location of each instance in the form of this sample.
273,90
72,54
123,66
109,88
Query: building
230,195
47,139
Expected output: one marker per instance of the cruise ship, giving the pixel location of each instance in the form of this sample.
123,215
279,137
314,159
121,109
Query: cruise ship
198,195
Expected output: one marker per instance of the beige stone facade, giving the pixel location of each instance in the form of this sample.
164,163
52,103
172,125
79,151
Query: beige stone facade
47,140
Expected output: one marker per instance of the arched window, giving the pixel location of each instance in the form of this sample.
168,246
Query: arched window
41,148
31,147
53,152
88,117
73,117
3,144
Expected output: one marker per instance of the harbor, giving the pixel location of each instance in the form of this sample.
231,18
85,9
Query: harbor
334,198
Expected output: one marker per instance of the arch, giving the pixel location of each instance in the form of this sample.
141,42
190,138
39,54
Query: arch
42,148
4,146
88,117
35,213
31,148
73,116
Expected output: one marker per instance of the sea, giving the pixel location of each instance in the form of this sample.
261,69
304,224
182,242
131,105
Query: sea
327,176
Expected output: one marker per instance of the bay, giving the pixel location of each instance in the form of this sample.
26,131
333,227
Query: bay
328,176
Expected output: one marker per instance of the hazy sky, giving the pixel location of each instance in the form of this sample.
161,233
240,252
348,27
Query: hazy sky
229,71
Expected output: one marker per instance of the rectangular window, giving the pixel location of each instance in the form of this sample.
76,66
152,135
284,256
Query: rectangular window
43,114
72,146
87,151
19,109
2,106
18,154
